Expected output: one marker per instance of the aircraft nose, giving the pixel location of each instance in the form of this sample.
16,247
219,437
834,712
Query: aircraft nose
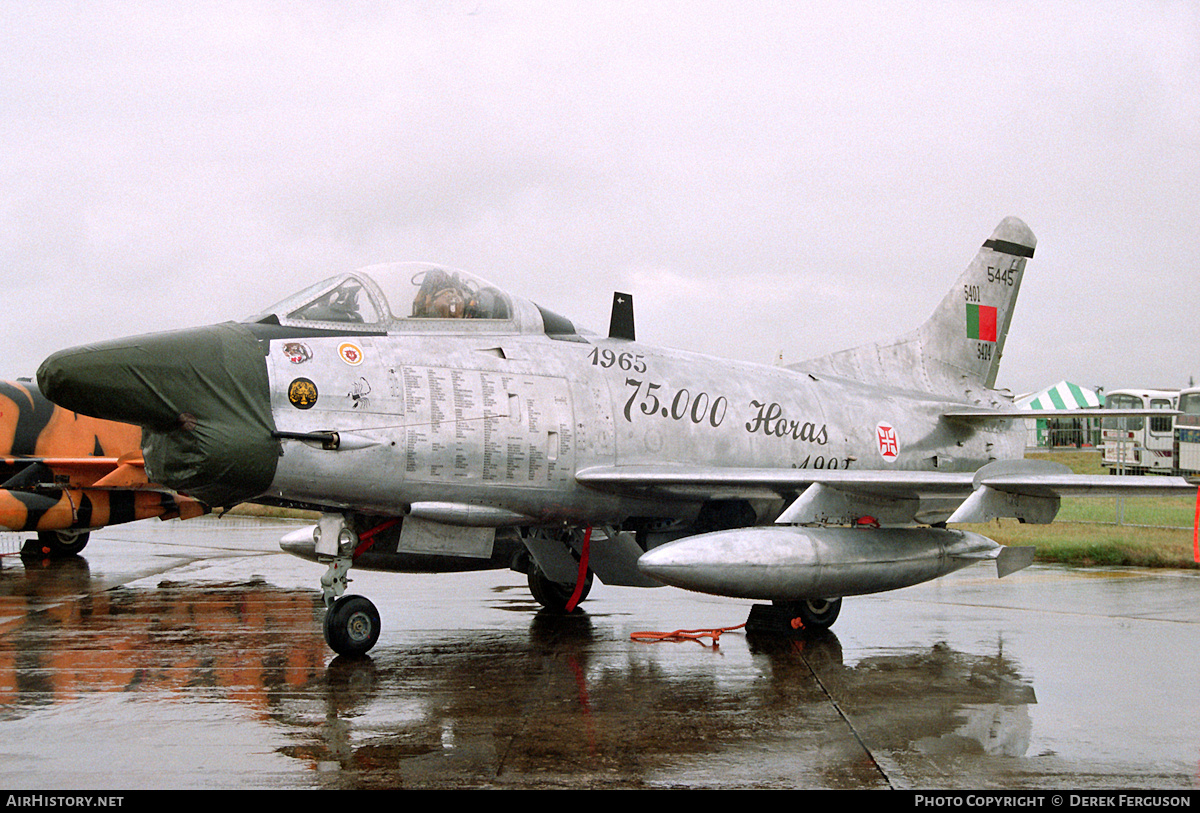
200,395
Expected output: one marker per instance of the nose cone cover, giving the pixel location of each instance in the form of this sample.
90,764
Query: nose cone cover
201,396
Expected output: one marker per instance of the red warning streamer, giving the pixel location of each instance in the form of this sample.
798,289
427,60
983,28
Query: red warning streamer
1196,530
583,569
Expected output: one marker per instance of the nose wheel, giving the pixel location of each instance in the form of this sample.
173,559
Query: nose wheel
351,625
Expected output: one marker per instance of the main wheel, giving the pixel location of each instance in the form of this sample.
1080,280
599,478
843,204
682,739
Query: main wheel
816,614
554,595
351,625
63,543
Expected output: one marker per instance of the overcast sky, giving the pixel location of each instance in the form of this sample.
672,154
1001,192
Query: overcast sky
764,178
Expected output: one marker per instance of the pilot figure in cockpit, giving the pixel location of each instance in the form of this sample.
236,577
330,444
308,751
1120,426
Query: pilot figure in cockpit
443,295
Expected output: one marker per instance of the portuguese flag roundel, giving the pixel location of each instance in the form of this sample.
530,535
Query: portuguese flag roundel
981,322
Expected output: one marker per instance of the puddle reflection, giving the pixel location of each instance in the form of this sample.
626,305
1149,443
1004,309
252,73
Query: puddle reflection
551,701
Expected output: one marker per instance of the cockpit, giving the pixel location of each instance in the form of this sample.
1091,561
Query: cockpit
406,297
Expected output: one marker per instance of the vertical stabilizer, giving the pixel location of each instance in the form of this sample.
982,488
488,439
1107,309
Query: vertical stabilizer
960,346
968,329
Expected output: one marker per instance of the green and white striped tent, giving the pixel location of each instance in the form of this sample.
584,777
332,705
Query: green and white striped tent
1065,396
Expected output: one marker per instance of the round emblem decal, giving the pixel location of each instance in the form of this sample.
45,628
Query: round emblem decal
297,352
351,353
302,393
889,443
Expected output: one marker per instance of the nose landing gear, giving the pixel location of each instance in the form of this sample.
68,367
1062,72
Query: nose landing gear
351,625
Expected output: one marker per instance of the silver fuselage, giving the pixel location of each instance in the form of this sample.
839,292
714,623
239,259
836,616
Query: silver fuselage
508,420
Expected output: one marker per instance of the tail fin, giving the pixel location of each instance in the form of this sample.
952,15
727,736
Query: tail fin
959,347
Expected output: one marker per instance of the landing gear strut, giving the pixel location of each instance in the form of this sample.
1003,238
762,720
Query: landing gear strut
351,624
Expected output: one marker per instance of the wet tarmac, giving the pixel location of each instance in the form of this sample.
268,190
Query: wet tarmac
189,655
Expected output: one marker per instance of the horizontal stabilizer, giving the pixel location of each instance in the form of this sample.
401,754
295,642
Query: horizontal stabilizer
74,472
968,414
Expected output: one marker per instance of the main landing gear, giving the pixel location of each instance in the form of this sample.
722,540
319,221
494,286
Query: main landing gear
789,617
565,553
816,614
57,544
555,596
555,562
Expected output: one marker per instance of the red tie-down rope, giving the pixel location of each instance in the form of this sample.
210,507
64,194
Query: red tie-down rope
678,635
685,635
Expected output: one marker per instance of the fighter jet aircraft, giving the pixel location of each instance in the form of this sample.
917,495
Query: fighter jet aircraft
64,475
441,423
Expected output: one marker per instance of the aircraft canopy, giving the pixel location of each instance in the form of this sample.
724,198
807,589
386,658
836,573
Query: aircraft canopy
411,296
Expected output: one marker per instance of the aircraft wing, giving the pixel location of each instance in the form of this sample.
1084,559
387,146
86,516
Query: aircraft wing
22,471
727,483
57,493
1029,490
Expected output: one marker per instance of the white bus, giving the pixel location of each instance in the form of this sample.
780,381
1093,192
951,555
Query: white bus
1187,432
1137,445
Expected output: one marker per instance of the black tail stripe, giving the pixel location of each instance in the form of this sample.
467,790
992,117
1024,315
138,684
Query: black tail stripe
1005,247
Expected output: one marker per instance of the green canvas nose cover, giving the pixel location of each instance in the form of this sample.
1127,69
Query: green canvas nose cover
201,396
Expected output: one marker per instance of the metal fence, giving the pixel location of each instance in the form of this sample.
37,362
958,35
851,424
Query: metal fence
1083,435
1062,433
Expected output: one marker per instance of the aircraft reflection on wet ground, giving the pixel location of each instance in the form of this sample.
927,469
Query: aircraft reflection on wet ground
195,665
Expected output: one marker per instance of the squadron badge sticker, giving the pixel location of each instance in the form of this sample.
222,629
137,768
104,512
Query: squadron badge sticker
302,393
351,353
297,352
889,443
